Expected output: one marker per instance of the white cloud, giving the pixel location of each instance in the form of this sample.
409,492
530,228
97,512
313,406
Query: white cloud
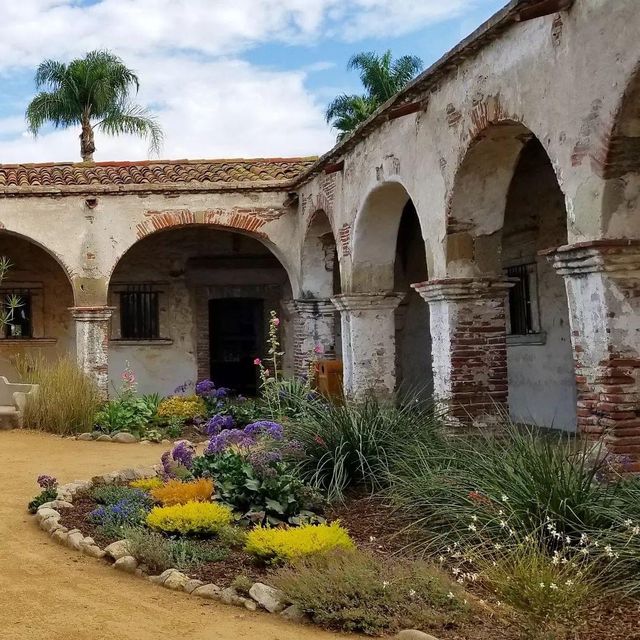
188,55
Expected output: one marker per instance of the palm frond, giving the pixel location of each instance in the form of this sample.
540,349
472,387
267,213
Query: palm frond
55,107
133,120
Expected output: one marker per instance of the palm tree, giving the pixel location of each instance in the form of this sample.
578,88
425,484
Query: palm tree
382,77
93,92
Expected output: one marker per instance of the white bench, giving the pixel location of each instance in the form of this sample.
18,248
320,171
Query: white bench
13,398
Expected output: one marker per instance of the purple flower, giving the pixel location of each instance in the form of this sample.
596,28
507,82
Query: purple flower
222,392
183,453
47,482
228,438
267,428
219,423
261,459
183,388
205,388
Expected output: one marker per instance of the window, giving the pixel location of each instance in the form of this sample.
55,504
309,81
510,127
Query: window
522,304
15,311
139,313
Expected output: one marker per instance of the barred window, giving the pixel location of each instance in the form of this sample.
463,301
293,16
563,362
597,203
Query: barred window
15,313
139,313
521,302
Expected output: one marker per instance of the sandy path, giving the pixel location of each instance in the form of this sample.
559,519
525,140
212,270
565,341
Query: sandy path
53,593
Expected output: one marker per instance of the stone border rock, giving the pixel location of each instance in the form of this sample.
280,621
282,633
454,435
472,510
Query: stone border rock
125,437
261,595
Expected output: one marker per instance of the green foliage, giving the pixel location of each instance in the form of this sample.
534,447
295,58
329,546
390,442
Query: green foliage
358,592
94,93
128,412
159,553
67,399
349,445
109,494
539,475
272,494
9,302
382,77
46,495
242,584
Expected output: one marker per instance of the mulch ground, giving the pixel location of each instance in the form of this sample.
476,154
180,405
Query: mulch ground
376,528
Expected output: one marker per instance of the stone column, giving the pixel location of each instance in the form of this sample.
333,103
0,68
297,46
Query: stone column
92,343
313,326
469,346
602,279
368,343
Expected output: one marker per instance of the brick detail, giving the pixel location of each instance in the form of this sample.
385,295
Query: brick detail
313,323
603,287
344,238
92,343
243,219
469,348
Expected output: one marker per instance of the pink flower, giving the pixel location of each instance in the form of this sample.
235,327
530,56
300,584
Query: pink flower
318,349
276,322
257,362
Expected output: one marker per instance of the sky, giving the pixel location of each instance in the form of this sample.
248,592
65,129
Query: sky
225,78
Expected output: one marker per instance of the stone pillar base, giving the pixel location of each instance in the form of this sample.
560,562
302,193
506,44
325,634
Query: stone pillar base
92,343
469,348
368,343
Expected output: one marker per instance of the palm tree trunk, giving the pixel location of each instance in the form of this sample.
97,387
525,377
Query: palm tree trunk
87,146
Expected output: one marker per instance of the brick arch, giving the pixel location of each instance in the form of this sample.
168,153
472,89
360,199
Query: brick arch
476,203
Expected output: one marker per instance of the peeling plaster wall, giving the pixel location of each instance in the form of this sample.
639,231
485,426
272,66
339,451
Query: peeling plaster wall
542,387
184,265
53,326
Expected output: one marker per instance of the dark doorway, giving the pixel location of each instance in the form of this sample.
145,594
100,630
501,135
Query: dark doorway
236,338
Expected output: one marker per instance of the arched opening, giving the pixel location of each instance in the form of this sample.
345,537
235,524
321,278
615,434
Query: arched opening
42,324
389,256
539,356
507,208
193,302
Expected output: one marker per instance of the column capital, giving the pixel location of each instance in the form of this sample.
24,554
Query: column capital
464,288
91,314
367,301
618,257
313,306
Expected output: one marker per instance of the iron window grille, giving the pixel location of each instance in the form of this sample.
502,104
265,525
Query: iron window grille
139,313
15,310
521,312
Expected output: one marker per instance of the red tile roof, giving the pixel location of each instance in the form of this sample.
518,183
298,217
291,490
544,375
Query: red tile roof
161,175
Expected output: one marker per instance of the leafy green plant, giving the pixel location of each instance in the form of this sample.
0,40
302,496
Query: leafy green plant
349,445
108,494
67,399
46,495
356,591
126,413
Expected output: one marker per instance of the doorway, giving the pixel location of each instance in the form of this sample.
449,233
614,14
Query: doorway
236,338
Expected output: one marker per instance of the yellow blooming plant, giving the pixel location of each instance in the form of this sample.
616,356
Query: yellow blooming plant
273,545
199,518
181,408
178,492
146,484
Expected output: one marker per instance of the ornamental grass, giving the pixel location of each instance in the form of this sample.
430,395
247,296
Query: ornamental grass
179,492
286,544
193,518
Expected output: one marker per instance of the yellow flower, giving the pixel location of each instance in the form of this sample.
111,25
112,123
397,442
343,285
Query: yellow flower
190,518
146,484
181,408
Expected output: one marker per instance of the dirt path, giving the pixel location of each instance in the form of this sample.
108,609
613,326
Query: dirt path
53,593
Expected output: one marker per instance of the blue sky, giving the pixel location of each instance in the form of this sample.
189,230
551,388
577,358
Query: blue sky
225,78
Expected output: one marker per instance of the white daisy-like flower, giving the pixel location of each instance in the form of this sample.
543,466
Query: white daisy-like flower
412,593
450,595
455,571
569,583
542,585
472,527
504,498
628,522
553,586
385,584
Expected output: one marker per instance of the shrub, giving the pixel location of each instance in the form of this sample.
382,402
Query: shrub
272,545
347,445
112,518
353,591
178,492
159,553
109,494
538,475
46,495
128,412
181,408
67,400
146,484
196,518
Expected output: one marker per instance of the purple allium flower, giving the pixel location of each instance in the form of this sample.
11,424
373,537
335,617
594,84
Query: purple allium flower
219,423
183,453
222,392
261,459
265,428
47,482
293,449
205,388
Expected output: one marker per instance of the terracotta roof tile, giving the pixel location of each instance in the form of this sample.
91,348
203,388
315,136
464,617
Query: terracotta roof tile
180,174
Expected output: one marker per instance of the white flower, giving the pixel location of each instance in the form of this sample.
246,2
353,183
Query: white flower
455,571
555,559
553,586
503,524
569,583
568,540
501,512
636,530
459,580
385,584
584,539
609,551
542,585
412,593
474,518
472,527
372,538
584,551
497,546
441,559
628,523
450,595
504,498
